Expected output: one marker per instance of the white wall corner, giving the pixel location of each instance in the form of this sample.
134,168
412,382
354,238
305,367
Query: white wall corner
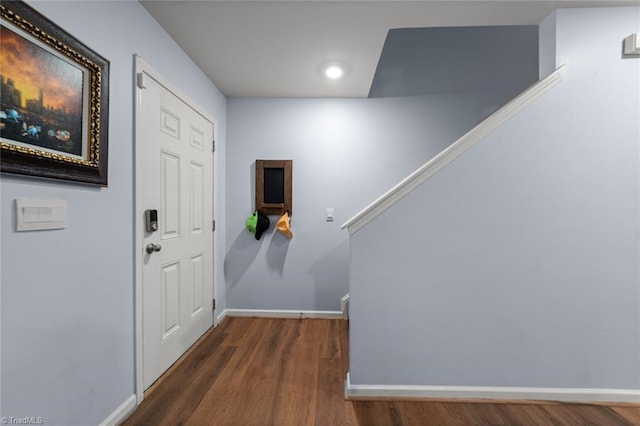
547,50
631,45
222,316
577,395
344,304
121,413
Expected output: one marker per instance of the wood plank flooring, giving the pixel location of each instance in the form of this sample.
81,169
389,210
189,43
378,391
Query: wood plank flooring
252,371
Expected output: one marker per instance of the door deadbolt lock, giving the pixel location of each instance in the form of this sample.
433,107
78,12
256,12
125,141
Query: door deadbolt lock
151,220
153,248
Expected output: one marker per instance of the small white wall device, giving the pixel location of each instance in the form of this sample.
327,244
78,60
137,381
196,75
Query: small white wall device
632,45
330,214
37,215
151,220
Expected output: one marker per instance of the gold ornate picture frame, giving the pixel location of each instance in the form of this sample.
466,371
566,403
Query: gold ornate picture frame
54,100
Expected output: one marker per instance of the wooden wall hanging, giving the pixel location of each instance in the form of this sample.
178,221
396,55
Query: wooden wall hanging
274,186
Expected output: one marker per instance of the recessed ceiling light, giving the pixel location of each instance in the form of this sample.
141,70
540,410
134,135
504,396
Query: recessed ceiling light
333,72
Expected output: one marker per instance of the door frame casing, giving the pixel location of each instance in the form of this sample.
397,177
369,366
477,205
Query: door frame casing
142,67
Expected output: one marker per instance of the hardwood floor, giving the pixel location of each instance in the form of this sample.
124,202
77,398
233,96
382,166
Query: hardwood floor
252,371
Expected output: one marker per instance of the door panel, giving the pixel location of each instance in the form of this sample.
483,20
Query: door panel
170,304
197,199
170,193
197,284
197,138
169,123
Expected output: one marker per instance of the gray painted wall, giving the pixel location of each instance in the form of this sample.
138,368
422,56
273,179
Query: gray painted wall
522,267
68,295
422,61
346,153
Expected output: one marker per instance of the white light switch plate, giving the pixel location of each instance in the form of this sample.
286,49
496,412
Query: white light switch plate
39,214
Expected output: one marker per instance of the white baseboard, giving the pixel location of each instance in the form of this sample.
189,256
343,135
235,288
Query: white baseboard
344,304
222,316
273,313
121,413
481,392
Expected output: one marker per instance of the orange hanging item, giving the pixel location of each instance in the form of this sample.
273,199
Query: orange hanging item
284,225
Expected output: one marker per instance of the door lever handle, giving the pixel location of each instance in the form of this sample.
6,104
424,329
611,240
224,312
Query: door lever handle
153,247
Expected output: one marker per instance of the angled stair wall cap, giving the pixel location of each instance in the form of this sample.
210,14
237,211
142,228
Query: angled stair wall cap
454,150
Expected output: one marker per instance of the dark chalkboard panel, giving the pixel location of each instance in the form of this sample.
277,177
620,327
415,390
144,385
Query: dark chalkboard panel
274,185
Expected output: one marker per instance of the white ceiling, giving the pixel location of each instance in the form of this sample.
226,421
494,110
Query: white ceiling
276,48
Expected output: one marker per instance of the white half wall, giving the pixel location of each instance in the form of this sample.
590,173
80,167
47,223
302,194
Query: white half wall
521,268
67,295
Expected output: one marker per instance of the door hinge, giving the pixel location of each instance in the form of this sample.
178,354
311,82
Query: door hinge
141,80
214,225
214,304
213,143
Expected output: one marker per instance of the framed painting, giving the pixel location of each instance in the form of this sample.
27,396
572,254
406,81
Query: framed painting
54,100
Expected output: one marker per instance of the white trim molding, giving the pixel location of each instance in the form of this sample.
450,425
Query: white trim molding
454,151
344,304
274,313
481,392
121,413
220,317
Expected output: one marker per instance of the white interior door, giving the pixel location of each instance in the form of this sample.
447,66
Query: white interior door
176,179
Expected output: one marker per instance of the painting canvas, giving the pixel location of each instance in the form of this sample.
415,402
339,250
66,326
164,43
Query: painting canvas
53,100
41,101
